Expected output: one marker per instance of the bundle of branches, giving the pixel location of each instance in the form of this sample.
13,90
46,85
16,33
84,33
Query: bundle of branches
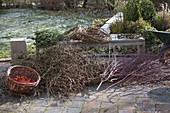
90,34
137,70
64,70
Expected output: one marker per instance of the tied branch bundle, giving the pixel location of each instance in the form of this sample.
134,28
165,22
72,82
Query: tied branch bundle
133,71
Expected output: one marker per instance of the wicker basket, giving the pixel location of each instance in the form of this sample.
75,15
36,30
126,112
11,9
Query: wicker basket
19,70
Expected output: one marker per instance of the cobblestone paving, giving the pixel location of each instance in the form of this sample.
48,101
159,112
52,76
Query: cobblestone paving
135,99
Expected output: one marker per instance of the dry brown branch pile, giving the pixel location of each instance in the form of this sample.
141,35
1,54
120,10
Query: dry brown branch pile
137,70
64,69
90,34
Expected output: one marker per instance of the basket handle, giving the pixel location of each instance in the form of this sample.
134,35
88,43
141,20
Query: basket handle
39,78
9,71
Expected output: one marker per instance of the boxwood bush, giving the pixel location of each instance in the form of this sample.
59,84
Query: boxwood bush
136,9
46,38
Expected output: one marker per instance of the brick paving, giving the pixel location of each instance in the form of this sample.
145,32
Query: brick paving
135,99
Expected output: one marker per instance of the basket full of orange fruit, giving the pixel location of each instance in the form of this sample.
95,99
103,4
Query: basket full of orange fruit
22,79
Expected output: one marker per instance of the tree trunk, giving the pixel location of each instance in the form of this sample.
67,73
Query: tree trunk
84,3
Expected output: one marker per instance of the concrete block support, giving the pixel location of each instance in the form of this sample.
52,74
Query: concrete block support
18,47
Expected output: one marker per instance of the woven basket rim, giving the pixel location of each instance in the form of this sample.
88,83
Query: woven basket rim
31,84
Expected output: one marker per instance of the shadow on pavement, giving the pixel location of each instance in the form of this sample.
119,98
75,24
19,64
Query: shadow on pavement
160,94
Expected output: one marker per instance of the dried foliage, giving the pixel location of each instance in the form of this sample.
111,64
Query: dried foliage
137,70
90,34
162,23
59,4
64,69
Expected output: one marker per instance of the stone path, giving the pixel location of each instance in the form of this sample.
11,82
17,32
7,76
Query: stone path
3,67
135,99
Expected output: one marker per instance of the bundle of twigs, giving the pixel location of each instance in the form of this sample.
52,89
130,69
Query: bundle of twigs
90,34
137,70
64,70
